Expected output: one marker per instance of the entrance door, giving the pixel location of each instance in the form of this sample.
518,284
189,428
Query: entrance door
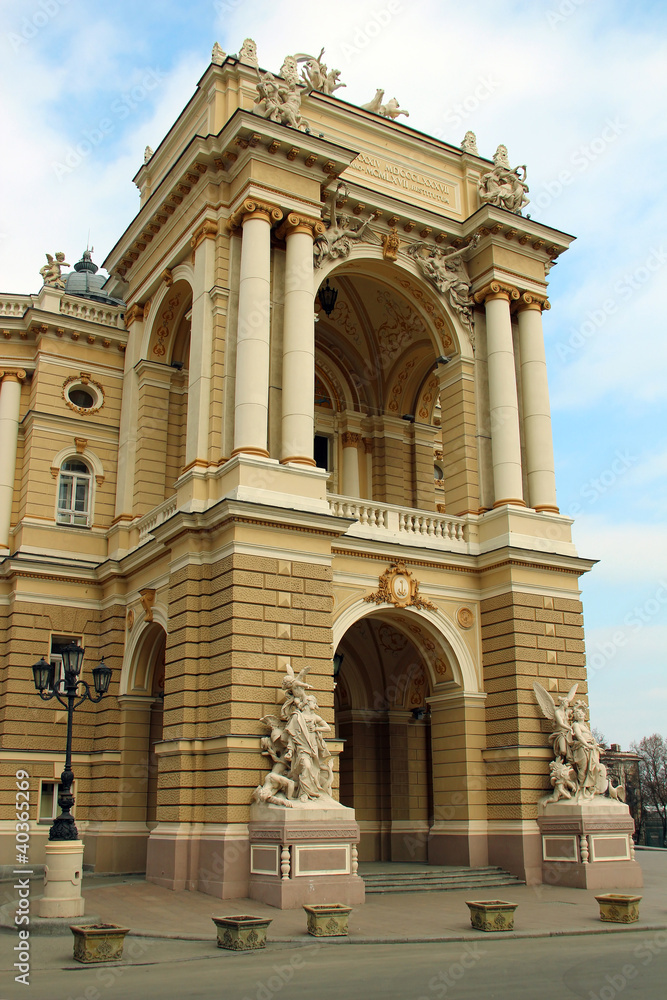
381,713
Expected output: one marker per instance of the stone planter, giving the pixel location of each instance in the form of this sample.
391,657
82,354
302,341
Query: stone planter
98,942
328,919
242,932
491,914
619,909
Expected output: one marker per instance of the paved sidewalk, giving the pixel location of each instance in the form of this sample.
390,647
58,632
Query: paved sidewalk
178,925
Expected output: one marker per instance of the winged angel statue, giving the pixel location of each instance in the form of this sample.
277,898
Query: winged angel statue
576,772
342,232
302,765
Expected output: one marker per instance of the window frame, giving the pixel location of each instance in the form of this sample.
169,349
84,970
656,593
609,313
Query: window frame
76,477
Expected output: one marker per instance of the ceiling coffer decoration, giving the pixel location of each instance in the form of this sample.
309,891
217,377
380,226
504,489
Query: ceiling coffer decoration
397,586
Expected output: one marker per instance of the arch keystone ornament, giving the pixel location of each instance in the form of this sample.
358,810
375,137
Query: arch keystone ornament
399,587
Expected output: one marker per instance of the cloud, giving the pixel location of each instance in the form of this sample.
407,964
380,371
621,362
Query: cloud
78,178
627,682
630,552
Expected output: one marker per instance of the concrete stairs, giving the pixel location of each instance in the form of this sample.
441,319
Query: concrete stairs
385,877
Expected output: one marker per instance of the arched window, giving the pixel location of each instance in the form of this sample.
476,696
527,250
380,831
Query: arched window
74,493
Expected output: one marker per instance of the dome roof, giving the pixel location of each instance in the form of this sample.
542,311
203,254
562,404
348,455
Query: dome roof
86,282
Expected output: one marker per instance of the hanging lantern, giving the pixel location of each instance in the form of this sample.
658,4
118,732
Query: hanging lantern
327,296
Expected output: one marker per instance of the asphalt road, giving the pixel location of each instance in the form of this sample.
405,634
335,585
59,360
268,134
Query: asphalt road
630,965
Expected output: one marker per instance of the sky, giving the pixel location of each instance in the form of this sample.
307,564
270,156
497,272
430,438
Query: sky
574,88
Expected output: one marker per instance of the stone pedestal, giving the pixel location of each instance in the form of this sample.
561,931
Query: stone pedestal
587,844
304,855
62,880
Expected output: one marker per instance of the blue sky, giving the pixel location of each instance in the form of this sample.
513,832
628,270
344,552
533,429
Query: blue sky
574,88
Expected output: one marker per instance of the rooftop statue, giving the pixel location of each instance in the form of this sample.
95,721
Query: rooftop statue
446,270
248,53
218,55
148,152
317,76
52,271
389,110
302,765
341,232
469,143
576,773
502,186
279,98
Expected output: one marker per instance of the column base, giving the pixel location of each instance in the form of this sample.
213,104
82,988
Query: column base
62,880
299,460
546,508
261,452
509,500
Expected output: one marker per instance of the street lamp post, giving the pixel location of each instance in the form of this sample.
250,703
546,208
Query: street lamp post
71,692
64,863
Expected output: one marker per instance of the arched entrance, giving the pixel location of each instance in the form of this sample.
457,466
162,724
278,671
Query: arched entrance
383,716
408,705
141,729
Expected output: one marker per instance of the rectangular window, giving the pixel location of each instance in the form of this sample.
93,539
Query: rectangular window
48,800
321,452
73,496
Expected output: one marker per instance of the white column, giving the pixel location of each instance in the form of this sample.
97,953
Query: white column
10,407
503,402
201,346
298,424
254,327
351,464
535,404
129,416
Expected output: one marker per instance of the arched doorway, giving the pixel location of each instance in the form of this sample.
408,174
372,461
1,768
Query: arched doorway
141,729
383,715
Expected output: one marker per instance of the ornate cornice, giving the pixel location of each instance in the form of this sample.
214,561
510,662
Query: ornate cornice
497,289
207,231
254,210
295,223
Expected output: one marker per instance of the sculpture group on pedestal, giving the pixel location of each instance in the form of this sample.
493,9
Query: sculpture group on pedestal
502,186
576,773
302,765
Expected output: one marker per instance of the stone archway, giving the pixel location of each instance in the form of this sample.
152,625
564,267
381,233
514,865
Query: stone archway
383,715
409,708
140,729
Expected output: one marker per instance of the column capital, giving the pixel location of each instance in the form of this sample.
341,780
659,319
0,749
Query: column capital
295,223
532,300
251,209
13,375
350,439
208,230
497,290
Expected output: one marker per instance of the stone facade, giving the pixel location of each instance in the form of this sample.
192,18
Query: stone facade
210,548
